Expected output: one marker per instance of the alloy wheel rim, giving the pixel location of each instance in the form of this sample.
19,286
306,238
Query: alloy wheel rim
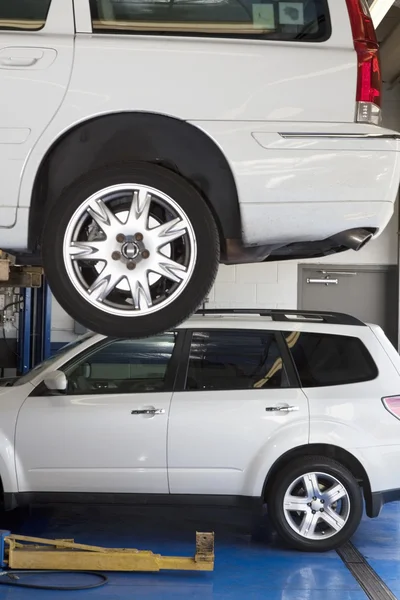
316,506
129,250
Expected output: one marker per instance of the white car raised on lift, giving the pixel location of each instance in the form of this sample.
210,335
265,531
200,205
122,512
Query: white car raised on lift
142,143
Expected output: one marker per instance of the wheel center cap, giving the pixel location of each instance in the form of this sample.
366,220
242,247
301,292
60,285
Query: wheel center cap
316,505
130,250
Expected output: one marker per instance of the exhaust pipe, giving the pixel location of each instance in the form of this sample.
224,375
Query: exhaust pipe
354,239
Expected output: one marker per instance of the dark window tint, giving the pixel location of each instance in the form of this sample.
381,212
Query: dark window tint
325,360
123,366
235,360
28,15
306,20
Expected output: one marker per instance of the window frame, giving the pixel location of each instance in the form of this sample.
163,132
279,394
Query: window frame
170,376
317,39
331,385
181,378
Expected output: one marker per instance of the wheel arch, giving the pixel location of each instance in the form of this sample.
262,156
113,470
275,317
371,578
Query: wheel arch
345,458
138,136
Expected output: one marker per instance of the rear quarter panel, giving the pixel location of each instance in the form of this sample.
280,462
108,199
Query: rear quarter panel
353,416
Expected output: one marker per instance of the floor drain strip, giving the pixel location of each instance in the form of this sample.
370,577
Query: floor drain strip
368,579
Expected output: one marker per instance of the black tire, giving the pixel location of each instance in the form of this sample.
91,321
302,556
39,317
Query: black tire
199,284
287,476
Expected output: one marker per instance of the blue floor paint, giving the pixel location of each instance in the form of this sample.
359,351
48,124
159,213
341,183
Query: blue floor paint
250,562
379,541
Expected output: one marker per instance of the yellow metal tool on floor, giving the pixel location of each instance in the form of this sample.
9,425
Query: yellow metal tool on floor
23,552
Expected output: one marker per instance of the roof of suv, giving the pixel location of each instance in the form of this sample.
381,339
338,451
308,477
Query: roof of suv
242,318
286,316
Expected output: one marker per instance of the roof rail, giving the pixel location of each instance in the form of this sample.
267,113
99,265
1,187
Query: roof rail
288,315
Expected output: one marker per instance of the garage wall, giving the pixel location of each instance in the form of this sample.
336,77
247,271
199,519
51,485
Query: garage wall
275,285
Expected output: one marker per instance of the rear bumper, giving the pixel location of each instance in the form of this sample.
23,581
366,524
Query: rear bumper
300,182
378,499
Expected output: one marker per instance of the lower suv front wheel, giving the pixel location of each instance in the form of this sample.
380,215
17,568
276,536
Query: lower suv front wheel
315,504
130,250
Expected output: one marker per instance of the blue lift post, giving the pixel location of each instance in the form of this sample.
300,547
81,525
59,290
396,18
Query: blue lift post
3,535
34,343
24,331
42,333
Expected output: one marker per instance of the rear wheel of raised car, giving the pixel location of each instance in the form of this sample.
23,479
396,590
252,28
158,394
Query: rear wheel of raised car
130,250
315,504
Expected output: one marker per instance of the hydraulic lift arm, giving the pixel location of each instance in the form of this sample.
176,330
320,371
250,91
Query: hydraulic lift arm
21,276
22,552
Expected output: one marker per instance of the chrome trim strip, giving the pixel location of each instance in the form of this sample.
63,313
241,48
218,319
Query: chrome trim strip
341,136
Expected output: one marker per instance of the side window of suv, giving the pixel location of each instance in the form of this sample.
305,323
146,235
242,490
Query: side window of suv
304,20
123,366
23,15
327,360
235,360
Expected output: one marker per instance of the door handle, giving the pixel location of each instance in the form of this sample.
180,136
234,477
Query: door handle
282,409
149,411
18,61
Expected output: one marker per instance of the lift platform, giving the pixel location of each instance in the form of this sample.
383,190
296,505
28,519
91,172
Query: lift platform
23,552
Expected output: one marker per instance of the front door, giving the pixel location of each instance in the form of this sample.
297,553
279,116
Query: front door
36,57
237,415
108,432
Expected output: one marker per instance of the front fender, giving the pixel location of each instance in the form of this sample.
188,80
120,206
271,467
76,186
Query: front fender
11,400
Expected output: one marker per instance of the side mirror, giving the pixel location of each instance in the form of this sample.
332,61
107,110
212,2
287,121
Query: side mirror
56,381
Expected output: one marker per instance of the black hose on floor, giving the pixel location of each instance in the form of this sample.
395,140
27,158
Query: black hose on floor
7,578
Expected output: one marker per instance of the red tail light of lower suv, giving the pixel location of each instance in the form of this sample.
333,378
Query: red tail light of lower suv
392,404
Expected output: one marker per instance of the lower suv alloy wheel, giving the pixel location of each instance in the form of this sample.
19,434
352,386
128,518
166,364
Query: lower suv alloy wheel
316,504
130,250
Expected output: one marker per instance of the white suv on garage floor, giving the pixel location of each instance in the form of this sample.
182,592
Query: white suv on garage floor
296,410
144,142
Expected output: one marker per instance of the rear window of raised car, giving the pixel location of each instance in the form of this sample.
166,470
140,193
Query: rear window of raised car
23,15
301,20
325,360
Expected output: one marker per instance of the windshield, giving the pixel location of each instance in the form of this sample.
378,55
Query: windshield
49,361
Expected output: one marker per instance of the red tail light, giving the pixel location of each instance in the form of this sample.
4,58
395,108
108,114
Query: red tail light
369,84
392,404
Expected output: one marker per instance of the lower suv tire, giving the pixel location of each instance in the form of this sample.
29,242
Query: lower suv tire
315,504
130,250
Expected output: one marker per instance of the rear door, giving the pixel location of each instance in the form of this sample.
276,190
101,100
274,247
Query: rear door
242,60
238,412
36,57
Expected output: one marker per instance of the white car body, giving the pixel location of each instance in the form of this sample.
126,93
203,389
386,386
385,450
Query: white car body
282,113
200,444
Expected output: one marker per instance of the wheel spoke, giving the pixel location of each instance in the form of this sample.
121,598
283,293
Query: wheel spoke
103,216
311,485
140,291
88,250
333,519
104,284
139,210
170,269
168,232
335,493
308,524
295,503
